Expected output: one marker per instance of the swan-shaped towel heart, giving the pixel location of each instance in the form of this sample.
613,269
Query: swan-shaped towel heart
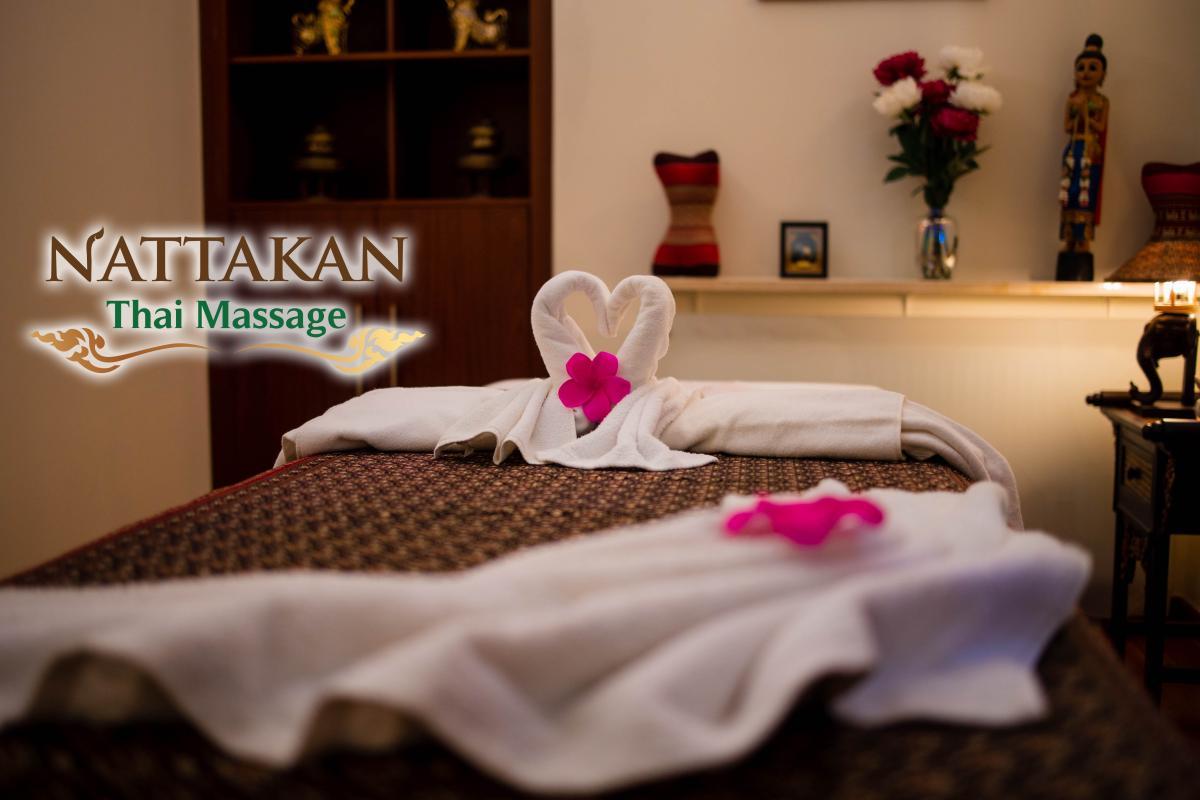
531,418
559,337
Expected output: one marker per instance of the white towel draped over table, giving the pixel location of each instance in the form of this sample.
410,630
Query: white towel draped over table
666,424
662,424
581,665
596,662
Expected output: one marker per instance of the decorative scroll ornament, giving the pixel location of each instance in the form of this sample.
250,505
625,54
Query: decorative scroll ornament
83,346
367,348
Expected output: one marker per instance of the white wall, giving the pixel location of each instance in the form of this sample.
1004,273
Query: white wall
782,91
101,122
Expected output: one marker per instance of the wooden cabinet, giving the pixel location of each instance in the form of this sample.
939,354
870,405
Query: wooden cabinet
1157,471
399,103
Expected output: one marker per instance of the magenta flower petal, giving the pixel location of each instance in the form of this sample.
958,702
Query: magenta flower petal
805,523
615,388
594,385
738,520
604,365
574,393
597,407
579,367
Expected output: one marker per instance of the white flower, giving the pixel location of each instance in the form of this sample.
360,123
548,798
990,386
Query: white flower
899,97
976,97
962,62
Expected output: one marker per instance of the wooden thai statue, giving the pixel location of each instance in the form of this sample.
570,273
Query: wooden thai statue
1086,125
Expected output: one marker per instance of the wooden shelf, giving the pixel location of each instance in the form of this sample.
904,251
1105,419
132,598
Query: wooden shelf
951,287
944,299
399,124
397,203
383,56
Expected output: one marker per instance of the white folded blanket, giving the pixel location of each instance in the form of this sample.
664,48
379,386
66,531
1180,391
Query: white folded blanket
583,665
661,424
665,424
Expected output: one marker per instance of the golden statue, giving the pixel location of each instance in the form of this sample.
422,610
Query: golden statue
481,161
489,31
318,165
1086,125
329,23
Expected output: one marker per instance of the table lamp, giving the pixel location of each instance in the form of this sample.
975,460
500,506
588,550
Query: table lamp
1171,259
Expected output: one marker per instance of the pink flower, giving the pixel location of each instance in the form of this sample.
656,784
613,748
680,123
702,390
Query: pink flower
594,385
955,123
902,65
805,524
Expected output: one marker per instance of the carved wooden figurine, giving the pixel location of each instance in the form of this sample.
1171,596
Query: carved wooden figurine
1086,125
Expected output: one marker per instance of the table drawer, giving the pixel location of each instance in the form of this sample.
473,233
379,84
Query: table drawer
1136,465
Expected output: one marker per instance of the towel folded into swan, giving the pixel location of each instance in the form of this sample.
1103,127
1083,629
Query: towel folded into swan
662,424
577,666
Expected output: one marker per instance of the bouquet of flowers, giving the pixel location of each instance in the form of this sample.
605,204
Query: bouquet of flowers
937,119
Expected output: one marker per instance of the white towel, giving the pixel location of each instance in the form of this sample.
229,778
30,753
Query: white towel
558,336
532,419
656,426
629,435
386,419
583,665
857,422
660,425
529,418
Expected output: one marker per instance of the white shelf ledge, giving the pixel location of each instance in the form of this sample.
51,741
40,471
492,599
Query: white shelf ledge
928,299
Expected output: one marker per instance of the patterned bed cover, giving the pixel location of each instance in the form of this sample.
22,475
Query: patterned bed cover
411,512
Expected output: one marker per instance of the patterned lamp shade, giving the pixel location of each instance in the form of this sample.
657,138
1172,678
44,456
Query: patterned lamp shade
1173,252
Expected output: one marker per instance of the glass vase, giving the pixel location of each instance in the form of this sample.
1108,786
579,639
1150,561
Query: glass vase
937,245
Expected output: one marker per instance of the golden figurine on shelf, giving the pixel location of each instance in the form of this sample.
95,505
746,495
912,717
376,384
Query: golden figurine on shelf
318,165
1086,125
482,160
490,31
330,23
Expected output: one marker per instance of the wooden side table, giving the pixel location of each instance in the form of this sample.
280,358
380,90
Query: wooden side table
1156,495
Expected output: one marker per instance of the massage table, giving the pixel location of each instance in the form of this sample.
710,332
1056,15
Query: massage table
404,512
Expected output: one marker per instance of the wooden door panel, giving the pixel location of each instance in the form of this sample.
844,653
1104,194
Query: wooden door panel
470,289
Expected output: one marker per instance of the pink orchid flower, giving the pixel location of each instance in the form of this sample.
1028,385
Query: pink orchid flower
803,523
594,385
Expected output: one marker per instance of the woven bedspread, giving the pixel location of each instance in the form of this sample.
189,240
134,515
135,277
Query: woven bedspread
410,512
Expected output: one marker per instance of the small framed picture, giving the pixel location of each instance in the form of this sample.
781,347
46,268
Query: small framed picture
804,249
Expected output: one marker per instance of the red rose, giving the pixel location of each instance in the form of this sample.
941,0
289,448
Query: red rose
956,123
935,93
903,65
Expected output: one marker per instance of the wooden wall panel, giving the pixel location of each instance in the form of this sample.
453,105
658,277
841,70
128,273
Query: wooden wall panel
471,288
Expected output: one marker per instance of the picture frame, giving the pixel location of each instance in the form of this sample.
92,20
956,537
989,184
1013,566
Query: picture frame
803,249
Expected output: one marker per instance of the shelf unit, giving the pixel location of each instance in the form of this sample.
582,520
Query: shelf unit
913,299
399,103
384,55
